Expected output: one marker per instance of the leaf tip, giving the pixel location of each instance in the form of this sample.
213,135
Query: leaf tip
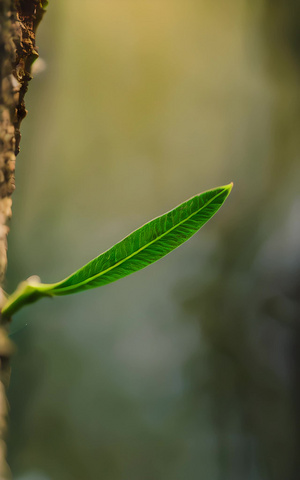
229,187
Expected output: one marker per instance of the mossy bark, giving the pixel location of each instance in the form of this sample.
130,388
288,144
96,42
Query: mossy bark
18,22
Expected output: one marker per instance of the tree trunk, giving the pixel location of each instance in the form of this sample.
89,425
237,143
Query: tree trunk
18,22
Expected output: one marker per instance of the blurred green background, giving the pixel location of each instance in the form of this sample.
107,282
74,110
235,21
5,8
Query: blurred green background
190,368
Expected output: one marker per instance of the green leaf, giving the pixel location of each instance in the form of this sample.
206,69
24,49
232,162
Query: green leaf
144,246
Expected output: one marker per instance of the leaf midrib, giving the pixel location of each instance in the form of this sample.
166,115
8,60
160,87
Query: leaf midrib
72,287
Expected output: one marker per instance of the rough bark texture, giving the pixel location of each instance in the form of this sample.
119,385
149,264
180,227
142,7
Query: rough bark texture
18,22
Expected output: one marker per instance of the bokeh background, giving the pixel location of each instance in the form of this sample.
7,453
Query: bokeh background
188,369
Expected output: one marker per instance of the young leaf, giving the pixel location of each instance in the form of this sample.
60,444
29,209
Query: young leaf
142,247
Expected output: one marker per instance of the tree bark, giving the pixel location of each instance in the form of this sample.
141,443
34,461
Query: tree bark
18,22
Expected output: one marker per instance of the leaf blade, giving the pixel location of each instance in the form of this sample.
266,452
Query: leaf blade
148,243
